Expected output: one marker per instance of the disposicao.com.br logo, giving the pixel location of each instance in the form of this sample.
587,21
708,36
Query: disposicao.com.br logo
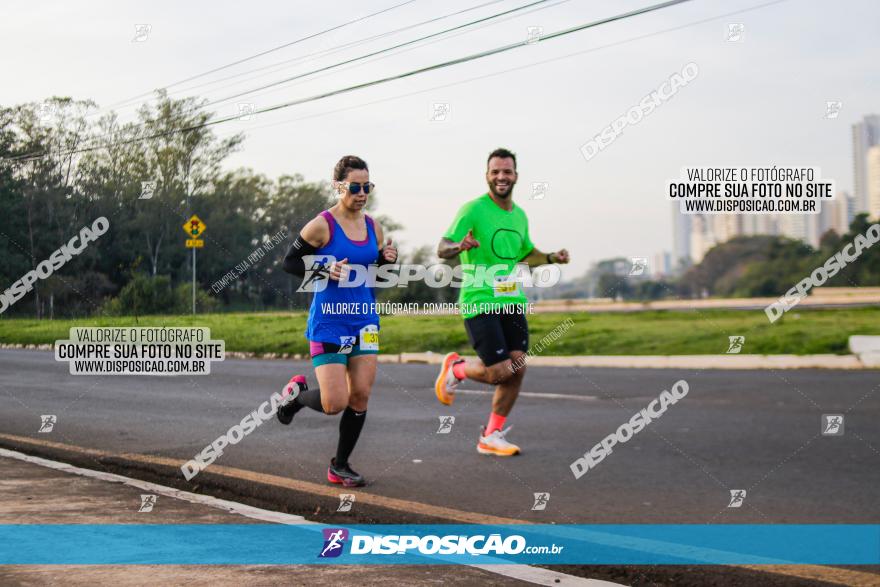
450,544
501,277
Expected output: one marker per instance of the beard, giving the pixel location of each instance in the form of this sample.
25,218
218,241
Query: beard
503,195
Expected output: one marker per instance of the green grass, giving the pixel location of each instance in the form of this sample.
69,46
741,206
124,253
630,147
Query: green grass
638,333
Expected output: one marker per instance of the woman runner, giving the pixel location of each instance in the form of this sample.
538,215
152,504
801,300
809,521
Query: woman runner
343,325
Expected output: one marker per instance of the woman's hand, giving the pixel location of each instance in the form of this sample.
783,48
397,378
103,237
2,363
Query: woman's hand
339,270
389,251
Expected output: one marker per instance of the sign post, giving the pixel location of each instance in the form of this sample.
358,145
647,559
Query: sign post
194,227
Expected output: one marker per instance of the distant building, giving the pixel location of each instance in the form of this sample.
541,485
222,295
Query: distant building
794,226
872,165
707,230
702,237
695,234
726,226
662,266
825,218
681,236
865,134
836,215
753,224
843,212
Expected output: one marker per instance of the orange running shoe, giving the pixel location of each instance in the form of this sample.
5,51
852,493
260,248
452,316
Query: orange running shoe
446,380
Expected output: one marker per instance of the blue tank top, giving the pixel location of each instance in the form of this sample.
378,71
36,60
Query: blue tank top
358,303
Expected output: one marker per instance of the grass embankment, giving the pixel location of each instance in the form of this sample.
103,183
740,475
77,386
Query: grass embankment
637,333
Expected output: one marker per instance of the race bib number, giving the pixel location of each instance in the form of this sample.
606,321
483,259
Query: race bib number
505,286
370,338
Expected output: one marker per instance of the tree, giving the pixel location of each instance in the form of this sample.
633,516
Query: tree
61,169
183,158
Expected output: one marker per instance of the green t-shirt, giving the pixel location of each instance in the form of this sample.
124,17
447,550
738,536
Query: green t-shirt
504,241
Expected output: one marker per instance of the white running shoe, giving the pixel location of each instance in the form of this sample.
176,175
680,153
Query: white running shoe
496,444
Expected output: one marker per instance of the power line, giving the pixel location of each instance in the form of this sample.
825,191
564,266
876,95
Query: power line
517,68
452,36
457,61
535,6
373,54
378,52
322,52
267,51
437,66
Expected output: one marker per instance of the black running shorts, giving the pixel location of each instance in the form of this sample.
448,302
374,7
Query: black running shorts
493,336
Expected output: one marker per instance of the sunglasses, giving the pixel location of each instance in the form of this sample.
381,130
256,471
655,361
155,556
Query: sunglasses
355,188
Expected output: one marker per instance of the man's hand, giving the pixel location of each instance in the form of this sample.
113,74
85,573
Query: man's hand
389,251
560,256
339,270
447,249
468,242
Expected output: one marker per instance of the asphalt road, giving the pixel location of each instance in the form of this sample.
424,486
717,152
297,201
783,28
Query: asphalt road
752,430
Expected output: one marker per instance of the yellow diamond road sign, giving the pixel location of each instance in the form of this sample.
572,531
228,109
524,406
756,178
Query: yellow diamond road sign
194,227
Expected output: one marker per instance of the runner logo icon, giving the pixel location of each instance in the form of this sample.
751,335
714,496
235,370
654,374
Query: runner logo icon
47,423
346,500
638,265
148,502
316,276
346,344
736,344
334,540
832,424
541,500
737,497
446,423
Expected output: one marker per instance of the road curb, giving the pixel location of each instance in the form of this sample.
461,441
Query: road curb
314,501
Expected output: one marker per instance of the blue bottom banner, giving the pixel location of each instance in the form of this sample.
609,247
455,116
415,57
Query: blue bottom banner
605,544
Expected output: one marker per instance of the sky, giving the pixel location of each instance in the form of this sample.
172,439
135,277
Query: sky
758,101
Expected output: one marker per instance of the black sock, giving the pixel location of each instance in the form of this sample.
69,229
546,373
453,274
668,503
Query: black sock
310,398
350,426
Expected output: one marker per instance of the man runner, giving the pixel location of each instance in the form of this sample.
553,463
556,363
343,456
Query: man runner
491,234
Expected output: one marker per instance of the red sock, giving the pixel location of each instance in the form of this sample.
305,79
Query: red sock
458,370
496,422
